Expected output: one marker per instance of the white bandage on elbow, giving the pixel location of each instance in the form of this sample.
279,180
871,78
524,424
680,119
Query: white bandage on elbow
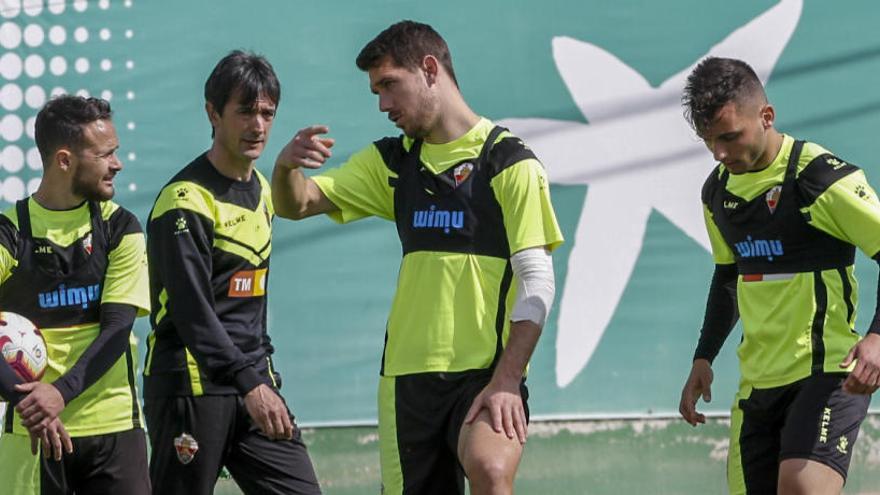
535,287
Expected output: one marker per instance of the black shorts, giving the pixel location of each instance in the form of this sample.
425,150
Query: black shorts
226,436
810,419
106,464
420,418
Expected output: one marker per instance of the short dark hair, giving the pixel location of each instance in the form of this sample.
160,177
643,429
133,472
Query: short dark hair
406,43
60,122
713,83
250,74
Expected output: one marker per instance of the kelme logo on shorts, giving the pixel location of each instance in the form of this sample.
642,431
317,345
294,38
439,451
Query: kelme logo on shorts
433,218
759,248
248,283
63,296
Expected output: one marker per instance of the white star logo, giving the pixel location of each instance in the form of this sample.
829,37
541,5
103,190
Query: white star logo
637,154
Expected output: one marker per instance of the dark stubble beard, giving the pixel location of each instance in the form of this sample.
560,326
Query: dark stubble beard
89,191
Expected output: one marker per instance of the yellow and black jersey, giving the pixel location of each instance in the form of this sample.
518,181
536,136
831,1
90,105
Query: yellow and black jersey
461,208
791,229
61,269
208,240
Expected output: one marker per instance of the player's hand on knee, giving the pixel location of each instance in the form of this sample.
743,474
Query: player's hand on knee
699,383
269,413
865,377
54,439
506,412
307,148
42,404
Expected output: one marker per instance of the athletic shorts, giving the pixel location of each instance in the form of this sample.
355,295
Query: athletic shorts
224,435
810,419
420,418
106,464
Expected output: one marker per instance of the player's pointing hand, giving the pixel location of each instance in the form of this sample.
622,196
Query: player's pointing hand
307,148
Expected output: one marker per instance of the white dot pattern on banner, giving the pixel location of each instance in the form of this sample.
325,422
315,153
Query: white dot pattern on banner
10,66
32,7
11,8
56,6
32,45
12,158
13,189
57,35
81,65
33,35
35,96
33,185
132,187
34,66
10,35
11,97
81,34
34,160
11,127
57,65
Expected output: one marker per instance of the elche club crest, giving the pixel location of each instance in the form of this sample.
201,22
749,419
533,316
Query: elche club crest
772,198
186,447
87,243
462,172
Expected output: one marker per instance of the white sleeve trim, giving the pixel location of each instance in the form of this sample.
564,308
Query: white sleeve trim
535,286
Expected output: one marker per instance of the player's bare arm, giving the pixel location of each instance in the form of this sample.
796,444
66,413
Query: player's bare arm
295,195
502,395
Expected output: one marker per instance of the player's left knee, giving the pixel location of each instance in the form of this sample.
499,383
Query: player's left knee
491,472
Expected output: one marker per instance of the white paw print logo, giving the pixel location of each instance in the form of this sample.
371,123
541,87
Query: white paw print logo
38,40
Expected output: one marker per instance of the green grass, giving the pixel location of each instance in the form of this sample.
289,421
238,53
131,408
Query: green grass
614,457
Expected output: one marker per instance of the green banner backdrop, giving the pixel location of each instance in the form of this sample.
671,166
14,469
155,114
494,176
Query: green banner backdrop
593,86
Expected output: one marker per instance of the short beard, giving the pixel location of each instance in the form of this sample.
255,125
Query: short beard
88,191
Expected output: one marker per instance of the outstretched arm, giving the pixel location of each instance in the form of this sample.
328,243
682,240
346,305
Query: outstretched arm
293,194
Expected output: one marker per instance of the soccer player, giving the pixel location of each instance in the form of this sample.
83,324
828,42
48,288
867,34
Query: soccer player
472,208
211,392
784,218
74,263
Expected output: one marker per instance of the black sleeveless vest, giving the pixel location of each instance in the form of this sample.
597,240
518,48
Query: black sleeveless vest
455,210
769,234
55,290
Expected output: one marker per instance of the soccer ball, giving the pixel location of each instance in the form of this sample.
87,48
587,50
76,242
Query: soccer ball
22,346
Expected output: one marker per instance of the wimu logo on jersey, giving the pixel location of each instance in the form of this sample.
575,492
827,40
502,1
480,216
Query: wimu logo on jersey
63,296
433,218
757,248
